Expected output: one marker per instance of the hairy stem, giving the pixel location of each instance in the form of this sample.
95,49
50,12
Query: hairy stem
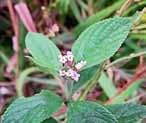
21,80
125,58
91,84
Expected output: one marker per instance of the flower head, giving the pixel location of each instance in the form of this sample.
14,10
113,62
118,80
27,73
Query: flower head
71,69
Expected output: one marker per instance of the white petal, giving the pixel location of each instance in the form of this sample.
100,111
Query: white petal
69,53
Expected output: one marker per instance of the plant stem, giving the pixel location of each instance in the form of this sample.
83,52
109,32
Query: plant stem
15,25
124,7
22,32
142,26
51,82
92,82
134,7
4,58
68,85
21,80
125,58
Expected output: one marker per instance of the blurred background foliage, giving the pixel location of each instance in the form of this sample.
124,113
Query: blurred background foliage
62,21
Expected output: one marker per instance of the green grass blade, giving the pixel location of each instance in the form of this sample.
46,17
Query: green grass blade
98,16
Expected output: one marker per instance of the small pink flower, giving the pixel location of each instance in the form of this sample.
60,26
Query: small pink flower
75,76
69,56
69,53
70,73
78,66
62,59
55,28
62,73
81,64
69,65
4,91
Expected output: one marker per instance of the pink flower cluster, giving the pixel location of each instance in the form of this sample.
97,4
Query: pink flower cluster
70,68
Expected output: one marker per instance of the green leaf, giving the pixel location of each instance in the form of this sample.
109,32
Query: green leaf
44,52
32,109
101,40
107,85
89,112
50,120
128,113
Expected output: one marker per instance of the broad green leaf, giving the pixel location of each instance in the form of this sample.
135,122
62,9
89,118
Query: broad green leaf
44,52
107,85
32,109
100,41
50,120
85,76
89,112
128,113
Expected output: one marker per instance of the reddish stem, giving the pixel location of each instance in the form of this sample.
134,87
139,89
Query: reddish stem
140,73
13,17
